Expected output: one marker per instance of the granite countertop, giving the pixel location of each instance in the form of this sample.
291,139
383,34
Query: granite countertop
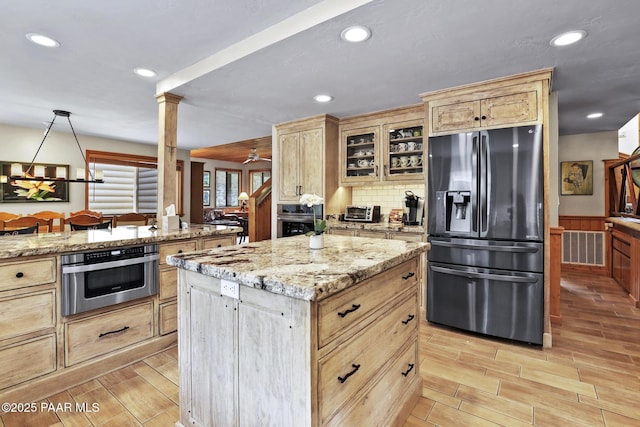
376,226
288,267
71,241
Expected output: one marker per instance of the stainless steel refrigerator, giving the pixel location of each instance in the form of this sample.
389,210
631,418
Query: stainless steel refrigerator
485,270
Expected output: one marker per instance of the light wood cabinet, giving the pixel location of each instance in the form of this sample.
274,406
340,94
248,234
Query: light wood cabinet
27,320
27,360
514,101
383,147
307,151
301,149
168,277
254,377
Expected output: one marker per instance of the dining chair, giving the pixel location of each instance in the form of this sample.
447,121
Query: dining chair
44,225
98,226
83,219
59,216
8,215
19,231
131,218
86,212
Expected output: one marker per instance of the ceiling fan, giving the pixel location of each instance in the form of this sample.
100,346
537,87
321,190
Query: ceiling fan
254,157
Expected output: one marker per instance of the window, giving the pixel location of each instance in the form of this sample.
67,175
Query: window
257,178
130,183
227,187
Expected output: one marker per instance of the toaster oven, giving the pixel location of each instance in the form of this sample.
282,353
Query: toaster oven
362,213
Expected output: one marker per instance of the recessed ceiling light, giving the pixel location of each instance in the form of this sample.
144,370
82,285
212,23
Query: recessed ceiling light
567,38
355,34
144,72
323,98
42,40
594,116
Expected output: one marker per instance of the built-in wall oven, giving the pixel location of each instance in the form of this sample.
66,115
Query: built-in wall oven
296,219
106,277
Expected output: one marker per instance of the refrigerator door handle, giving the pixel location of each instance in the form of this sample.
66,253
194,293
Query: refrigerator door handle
475,164
483,192
494,248
475,275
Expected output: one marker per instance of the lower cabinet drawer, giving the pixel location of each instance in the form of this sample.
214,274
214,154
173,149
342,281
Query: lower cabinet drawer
351,366
27,313
27,273
345,309
368,409
218,242
167,249
101,334
168,319
27,360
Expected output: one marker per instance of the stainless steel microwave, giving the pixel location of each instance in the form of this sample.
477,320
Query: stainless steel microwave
362,213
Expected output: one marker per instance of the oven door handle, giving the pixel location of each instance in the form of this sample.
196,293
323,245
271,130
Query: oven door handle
66,269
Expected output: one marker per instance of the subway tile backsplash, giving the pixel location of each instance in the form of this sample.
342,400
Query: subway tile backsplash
387,196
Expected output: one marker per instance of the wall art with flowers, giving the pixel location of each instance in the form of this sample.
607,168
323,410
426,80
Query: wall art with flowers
17,190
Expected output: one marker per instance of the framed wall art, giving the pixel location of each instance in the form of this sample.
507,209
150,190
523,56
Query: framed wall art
21,191
576,178
206,179
206,197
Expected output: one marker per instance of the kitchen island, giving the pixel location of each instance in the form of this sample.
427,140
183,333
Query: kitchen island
276,334
42,351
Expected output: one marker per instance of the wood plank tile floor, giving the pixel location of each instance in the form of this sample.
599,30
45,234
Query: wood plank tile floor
591,376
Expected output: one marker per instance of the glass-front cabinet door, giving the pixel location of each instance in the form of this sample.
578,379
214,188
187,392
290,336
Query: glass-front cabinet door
360,159
404,149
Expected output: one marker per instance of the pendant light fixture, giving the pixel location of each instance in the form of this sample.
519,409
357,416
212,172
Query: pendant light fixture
37,172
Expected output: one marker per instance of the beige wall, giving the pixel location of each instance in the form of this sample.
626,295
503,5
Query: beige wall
594,146
20,144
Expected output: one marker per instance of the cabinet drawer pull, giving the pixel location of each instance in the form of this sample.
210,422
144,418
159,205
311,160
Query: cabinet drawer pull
113,332
347,375
411,317
19,274
179,251
405,373
409,275
353,308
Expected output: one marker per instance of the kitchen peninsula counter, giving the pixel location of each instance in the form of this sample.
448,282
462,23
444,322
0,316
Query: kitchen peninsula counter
67,241
274,333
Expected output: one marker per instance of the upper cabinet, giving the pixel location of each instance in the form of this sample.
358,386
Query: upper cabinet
381,147
516,101
307,150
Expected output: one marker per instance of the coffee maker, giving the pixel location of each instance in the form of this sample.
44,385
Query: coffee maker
413,211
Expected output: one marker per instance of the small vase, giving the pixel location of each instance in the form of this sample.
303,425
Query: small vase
316,241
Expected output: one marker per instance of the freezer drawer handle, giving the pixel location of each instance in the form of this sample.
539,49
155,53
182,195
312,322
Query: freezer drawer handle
405,373
409,275
411,317
353,308
499,248
348,374
471,274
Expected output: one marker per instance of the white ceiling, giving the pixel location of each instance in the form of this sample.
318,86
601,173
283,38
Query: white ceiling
417,46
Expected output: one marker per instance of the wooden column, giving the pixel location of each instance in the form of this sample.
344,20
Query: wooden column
554,275
167,151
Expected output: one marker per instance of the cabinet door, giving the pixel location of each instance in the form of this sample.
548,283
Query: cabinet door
311,162
404,150
517,108
207,358
360,157
288,157
447,115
